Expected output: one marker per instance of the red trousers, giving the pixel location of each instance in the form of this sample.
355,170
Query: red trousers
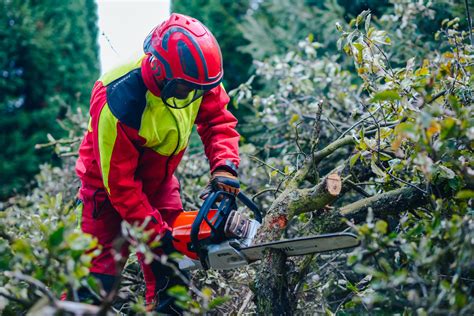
100,219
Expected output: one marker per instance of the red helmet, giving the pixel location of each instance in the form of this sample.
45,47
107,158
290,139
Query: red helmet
183,52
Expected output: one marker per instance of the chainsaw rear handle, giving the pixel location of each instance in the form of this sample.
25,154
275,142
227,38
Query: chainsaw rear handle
224,206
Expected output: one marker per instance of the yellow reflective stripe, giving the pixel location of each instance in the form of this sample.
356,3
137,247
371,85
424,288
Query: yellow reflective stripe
165,128
89,125
107,135
119,71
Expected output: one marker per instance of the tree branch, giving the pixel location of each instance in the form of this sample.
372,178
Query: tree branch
317,197
329,149
394,201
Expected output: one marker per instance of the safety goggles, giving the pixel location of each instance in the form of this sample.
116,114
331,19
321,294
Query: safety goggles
179,94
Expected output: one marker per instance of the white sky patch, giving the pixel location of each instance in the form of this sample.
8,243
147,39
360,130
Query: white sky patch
123,25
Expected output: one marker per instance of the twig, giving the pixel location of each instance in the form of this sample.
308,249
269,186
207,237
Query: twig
36,283
60,142
359,122
403,181
469,21
264,191
329,149
317,127
263,163
298,141
73,154
356,188
246,302
378,129
17,300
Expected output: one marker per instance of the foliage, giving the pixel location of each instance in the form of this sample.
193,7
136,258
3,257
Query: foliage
40,239
39,76
222,18
412,124
275,27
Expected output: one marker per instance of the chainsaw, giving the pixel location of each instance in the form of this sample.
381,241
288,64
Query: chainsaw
220,236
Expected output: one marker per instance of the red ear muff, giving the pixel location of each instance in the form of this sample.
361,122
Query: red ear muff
156,69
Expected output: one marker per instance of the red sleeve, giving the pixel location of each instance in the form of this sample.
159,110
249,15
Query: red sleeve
118,159
216,126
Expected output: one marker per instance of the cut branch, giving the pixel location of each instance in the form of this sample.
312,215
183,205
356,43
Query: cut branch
315,198
391,202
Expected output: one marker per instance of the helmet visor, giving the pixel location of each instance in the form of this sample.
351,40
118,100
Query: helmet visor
179,94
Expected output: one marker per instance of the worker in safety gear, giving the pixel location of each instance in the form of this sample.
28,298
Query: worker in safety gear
141,117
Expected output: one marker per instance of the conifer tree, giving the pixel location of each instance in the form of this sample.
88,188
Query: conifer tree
48,61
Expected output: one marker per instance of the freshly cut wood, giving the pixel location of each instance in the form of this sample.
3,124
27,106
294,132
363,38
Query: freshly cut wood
317,197
333,184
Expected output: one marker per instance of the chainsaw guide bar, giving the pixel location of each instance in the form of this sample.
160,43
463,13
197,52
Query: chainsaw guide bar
229,255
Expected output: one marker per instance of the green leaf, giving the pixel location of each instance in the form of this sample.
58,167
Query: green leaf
352,287
362,16
207,292
375,169
386,95
354,159
367,22
57,237
381,226
445,172
218,301
359,46
465,195
179,292
405,128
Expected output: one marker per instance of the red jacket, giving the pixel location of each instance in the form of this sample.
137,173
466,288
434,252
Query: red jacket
135,142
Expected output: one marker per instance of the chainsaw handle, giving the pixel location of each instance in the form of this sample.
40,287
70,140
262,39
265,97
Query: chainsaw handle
196,226
251,205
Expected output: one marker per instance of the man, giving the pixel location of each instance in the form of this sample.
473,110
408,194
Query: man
141,117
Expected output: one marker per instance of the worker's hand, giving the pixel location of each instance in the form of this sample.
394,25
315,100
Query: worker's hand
221,181
166,243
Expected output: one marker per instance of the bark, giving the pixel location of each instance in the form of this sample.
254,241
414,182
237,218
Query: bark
272,294
307,200
271,286
329,149
391,202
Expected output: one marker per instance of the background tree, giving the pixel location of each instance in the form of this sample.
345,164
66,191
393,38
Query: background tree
48,60
223,18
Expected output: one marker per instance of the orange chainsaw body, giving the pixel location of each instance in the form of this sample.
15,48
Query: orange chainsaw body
182,231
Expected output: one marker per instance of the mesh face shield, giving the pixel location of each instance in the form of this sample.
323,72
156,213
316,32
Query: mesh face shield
179,94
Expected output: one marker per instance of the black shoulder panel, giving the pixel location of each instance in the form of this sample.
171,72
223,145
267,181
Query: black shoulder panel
126,98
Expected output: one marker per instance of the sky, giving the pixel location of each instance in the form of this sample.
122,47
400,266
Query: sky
123,25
